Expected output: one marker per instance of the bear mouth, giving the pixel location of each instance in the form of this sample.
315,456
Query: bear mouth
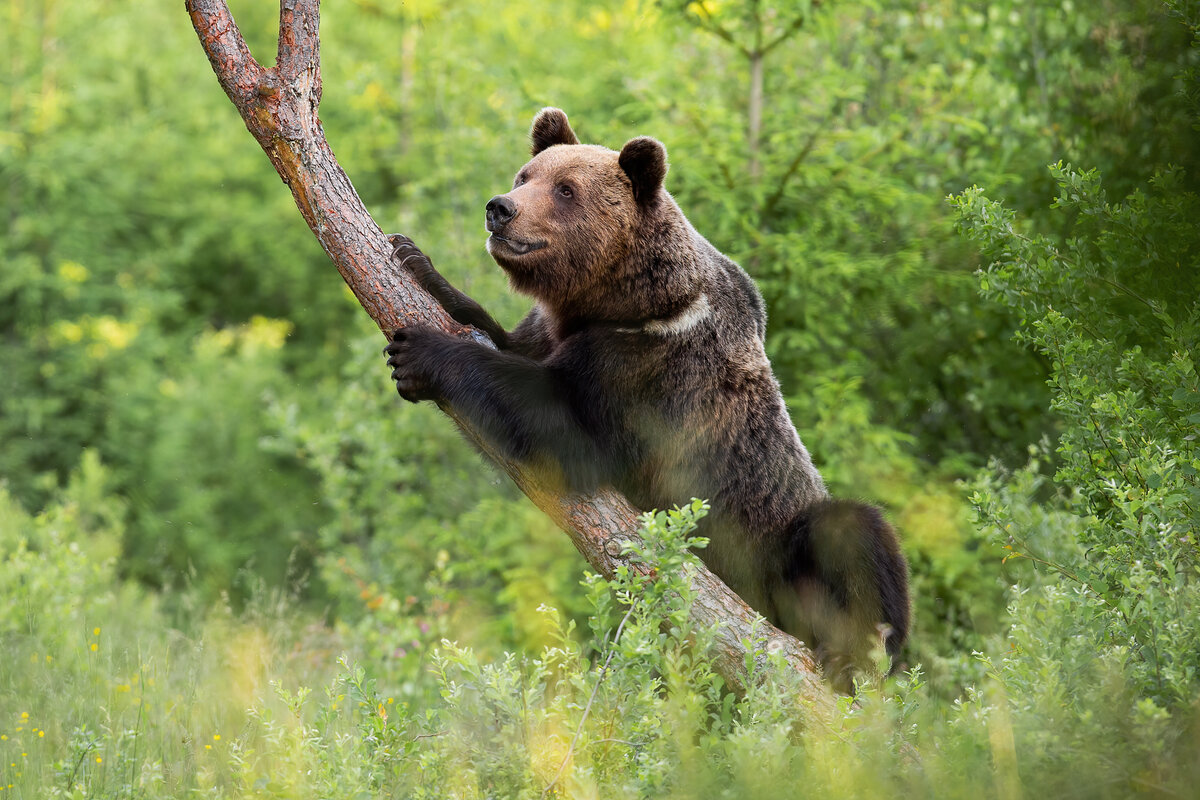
515,246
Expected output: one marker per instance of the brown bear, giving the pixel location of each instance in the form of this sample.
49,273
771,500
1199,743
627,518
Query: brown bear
641,367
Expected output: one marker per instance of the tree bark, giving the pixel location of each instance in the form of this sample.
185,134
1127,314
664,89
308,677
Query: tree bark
279,106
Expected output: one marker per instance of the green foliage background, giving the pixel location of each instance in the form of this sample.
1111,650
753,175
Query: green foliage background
232,562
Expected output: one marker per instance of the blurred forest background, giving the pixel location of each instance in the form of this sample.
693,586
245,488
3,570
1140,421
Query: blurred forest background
229,554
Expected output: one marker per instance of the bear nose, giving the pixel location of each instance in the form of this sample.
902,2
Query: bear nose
500,211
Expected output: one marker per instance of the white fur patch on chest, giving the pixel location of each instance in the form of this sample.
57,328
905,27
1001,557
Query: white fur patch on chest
696,312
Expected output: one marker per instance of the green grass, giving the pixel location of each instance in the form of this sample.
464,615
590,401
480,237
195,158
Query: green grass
106,692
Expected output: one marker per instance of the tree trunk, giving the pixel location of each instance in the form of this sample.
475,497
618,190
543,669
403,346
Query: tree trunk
754,132
279,106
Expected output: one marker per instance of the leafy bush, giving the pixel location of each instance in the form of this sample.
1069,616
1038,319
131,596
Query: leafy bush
1108,637
1114,309
61,563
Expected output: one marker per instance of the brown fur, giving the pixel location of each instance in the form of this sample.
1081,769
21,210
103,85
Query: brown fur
642,366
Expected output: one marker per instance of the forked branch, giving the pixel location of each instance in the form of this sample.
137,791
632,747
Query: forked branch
279,106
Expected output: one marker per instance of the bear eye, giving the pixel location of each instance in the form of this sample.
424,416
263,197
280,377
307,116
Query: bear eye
566,191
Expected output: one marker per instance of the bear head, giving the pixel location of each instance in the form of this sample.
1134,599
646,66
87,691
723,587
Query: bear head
576,223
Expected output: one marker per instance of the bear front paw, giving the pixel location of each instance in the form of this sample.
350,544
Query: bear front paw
412,354
406,252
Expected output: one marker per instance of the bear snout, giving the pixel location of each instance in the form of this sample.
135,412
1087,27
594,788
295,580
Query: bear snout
500,211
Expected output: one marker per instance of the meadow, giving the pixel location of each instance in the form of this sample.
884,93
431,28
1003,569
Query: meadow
234,564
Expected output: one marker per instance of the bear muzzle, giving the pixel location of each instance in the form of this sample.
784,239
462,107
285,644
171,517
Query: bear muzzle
502,210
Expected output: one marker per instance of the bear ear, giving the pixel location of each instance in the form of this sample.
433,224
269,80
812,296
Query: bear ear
550,127
644,160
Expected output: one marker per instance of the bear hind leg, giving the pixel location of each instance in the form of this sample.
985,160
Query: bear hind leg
845,587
